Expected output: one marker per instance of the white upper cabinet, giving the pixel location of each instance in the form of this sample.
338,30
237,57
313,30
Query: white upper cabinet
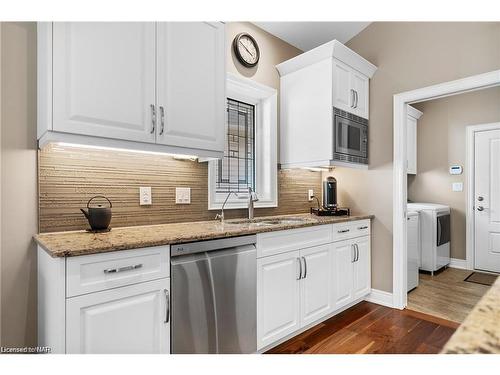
411,136
191,93
104,79
312,84
138,85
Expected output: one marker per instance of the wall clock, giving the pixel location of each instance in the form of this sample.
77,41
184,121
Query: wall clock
246,50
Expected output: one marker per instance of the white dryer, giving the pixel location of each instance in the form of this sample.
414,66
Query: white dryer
434,235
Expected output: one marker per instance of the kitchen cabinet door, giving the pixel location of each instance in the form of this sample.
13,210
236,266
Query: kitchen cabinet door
129,320
411,148
316,283
343,258
277,297
343,97
360,83
362,268
191,85
104,79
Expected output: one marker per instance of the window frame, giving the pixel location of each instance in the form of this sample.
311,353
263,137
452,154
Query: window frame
265,100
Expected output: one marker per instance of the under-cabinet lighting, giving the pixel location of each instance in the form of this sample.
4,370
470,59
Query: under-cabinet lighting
91,147
317,169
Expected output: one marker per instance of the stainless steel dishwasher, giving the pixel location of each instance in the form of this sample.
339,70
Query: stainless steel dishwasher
214,287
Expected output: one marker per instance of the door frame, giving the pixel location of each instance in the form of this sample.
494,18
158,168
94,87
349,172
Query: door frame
470,172
399,209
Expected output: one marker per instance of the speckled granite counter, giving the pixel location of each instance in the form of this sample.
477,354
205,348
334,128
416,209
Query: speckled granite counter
74,243
480,332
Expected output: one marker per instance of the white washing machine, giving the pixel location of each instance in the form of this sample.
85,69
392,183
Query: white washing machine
434,235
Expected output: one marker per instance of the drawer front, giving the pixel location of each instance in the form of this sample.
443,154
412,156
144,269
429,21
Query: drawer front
272,243
351,229
93,273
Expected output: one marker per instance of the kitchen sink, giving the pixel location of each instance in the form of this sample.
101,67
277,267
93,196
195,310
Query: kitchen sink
269,222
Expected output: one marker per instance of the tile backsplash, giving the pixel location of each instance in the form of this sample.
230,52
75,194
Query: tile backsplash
69,176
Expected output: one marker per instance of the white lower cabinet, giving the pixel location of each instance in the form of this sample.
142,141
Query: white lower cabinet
315,285
277,297
133,319
299,287
343,256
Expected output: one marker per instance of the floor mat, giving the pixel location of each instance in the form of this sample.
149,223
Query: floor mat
481,278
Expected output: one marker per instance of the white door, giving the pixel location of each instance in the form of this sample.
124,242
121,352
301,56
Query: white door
316,284
104,79
411,145
343,95
362,267
191,85
127,320
487,200
359,83
277,297
343,258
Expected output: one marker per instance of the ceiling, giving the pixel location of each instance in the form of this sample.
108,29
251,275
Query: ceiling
307,35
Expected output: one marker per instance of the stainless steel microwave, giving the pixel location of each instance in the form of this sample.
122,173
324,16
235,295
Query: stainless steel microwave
350,137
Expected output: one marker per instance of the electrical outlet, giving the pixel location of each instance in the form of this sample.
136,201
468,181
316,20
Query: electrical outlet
457,186
145,197
310,194
183,195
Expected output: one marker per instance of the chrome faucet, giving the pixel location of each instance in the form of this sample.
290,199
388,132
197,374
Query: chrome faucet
220,216
252,197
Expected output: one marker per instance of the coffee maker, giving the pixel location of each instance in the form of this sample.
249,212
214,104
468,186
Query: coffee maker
330,206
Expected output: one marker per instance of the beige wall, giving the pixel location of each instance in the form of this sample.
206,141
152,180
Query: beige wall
18,184
409,56
442,130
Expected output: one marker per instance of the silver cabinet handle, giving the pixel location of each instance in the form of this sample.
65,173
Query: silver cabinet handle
352,98
356,97
305,267
162,119
343,231
363,227
300,269
121,269
357,252
167,306
153,118
480,208
353,253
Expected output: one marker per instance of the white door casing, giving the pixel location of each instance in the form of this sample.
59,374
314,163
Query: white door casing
104,79
191,84
126,320
487,200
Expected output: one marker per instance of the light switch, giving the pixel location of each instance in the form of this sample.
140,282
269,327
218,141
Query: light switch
145,197
183,195
457,186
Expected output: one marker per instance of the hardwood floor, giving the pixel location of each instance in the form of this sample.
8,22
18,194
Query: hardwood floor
370,328
446,295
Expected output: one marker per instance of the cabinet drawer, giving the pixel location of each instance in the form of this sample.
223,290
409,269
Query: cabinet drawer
92,273
351,229
272,243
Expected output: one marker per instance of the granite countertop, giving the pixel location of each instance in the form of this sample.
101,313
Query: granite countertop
480,331
74,243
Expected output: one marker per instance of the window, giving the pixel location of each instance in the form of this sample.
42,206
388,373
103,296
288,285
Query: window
250,155
236,171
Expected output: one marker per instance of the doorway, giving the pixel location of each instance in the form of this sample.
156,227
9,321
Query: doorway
401,101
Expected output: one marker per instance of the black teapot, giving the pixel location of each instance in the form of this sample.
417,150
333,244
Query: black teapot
99,217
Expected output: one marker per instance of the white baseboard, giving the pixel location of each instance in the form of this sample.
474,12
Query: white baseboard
380,297
458,263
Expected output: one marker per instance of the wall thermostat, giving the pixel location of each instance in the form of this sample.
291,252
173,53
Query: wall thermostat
456,169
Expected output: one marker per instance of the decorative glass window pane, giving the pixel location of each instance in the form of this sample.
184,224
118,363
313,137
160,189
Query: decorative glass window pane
236,171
